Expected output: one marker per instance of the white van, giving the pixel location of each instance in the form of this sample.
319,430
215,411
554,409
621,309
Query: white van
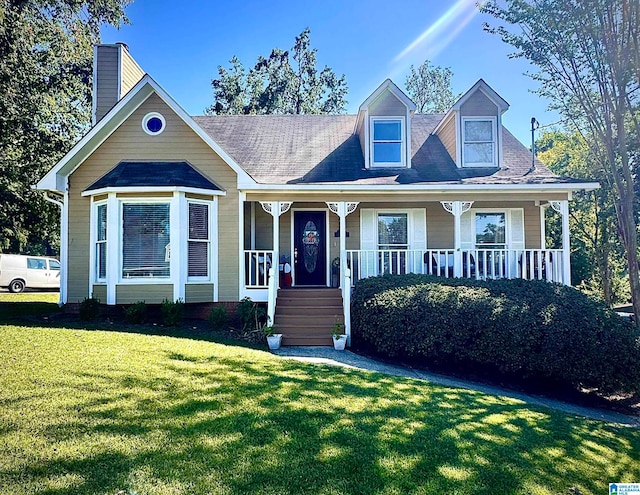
18,272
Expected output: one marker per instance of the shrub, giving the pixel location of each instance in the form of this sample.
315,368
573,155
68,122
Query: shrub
253,315
218,317
136,313
532,329
172,312
89,309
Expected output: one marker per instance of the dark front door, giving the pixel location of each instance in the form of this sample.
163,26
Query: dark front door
309,247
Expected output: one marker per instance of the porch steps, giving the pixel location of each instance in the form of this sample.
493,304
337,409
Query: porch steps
306,316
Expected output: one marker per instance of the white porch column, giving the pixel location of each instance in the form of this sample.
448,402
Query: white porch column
562,207
343,209
543,226
275,209
457,208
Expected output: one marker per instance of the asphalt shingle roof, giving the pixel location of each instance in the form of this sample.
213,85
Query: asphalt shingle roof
311,149
151,174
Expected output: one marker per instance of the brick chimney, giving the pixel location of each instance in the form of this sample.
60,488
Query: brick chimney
115,72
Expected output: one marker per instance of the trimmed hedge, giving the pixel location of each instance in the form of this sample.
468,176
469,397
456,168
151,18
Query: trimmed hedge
533,329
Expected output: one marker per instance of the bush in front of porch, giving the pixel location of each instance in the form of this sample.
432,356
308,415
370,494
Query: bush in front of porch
534,330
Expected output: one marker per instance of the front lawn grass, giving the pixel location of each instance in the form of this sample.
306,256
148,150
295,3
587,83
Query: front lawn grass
102,412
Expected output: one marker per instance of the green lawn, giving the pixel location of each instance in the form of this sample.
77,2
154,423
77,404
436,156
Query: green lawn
120,413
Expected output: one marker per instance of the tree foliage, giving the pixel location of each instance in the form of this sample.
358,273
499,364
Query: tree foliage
589,66
45,103
283,83
429,87
597,256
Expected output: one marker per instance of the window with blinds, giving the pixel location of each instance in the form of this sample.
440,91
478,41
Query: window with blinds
146,251
198,243
101,243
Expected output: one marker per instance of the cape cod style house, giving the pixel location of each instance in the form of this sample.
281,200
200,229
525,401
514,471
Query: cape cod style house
157,204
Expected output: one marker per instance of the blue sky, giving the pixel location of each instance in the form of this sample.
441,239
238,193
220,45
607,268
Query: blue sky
182,44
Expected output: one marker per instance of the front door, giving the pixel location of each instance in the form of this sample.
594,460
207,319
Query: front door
309,247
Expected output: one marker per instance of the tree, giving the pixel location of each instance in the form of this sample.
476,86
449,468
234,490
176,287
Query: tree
45,104
587,55
430,88
279,84
597,263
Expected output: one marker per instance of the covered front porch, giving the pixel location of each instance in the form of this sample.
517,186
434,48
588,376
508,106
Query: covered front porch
304,244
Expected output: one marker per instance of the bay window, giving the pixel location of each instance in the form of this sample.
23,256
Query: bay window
101,243
199,240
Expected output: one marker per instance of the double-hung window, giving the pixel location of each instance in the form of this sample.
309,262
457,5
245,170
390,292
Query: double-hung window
490,230
387,142
479,142
101,243
199,240
146,252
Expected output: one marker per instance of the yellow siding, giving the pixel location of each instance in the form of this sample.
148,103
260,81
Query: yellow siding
151,293
131,72
264,228
106,92
447,134
130,142
100,293
198,293
478,105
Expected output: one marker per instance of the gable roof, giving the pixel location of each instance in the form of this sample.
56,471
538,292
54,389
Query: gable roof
481,85
153,174
54,180
389,85
324,149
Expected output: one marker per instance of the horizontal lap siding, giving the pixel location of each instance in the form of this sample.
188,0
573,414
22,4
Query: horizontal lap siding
447,134
100,293
131,73
387,105
150,294
106,93
198,293
478,105
177,143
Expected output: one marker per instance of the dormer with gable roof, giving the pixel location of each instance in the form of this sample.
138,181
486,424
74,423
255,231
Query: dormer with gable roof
384,127
472,130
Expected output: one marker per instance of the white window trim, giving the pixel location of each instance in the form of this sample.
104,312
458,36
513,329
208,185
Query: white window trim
410,225
209,242
95,279
507,223
173,277
409,228
403,142
150,116
494,130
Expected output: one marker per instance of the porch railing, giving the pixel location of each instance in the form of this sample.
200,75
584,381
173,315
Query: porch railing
256,268
541,264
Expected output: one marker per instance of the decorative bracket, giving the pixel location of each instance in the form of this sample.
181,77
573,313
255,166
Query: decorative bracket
273,207
456,207
342,207
557,205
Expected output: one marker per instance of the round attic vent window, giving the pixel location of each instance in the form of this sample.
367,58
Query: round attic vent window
153,123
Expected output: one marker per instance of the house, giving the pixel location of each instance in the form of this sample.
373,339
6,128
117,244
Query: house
157,204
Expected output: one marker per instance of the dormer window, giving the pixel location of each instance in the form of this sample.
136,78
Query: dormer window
479,142
387,142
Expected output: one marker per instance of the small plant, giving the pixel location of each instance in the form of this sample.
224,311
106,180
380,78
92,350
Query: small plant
338,330
89,309
136,313
172,312
218,317
268,330
252,314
